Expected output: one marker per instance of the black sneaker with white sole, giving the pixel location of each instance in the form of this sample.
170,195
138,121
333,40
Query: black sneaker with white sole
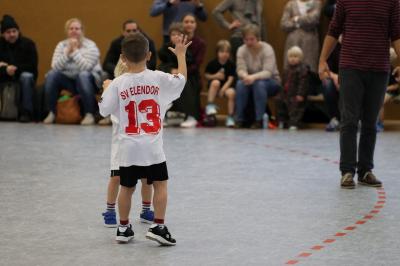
124,233
160,234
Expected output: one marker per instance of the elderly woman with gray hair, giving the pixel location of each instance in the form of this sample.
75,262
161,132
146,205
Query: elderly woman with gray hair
75,67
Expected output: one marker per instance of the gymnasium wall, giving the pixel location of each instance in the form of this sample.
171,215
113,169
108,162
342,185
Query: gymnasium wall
43,21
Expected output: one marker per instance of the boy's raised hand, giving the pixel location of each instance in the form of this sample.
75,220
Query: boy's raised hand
181,46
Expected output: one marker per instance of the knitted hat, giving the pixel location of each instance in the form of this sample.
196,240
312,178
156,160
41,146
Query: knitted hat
8,22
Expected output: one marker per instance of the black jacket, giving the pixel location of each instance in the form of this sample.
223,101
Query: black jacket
22,54
114,52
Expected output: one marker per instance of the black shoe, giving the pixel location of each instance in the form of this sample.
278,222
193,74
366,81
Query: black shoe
124,233
257,125
370,180
347,181
160,234
25,117
239,124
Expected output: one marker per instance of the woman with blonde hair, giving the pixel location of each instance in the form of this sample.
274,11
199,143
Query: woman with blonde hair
75,67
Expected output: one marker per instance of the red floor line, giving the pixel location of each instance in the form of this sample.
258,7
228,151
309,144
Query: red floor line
381,194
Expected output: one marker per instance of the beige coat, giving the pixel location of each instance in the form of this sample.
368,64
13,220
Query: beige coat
304,33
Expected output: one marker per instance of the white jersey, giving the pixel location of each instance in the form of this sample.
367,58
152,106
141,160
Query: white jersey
139,101
114,165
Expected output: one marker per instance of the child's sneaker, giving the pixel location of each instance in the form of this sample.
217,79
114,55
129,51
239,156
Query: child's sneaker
379,126
333,125
110,219
211,109
160,234
124,233
147,217
230,122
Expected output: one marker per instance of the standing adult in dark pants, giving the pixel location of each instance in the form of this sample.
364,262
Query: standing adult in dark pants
368,27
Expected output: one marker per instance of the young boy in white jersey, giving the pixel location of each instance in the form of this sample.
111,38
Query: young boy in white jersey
109,216
139,98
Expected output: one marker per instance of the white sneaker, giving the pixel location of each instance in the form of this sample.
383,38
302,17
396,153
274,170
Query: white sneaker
293,128
50,118
211,109
189,122
105,121
88,120
230,122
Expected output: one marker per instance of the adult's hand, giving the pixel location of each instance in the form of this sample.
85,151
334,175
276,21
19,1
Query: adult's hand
3,64
323,70
174,2
235,24
248,80
73,45
396,73
11,70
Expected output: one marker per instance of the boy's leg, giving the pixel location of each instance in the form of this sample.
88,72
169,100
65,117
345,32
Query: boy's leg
158,231
124,203
230,94
160,200
215,85
296,112
124,231
146,215
112,193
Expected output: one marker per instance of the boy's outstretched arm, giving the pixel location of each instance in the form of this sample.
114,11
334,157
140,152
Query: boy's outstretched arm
180,52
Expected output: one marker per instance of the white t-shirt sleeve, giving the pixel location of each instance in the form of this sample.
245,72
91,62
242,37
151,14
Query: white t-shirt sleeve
108,103
171,86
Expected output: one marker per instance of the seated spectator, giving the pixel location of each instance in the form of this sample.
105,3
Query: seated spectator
258,74
392,92
197,50
300,20
114,52
292,100
330,89
18,62
174,10
169,64
75,67
220,74
243,13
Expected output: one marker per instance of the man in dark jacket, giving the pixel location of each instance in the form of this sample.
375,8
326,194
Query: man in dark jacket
111,60
18,62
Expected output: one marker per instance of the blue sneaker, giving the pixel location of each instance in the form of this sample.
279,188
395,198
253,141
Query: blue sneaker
147,217
379,126
110,219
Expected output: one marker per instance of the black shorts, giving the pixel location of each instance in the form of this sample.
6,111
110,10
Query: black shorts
131,174
114,173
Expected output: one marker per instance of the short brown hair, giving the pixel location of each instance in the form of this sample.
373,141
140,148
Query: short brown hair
135,47
176,26
223,45
251,29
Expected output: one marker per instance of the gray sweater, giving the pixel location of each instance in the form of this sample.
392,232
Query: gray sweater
247,12
86,58
262,65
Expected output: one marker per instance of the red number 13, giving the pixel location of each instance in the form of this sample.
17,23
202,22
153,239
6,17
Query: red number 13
153,123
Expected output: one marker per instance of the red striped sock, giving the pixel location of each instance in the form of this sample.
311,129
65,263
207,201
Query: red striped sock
146,205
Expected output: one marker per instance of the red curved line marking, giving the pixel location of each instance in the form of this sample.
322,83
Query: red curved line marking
380,193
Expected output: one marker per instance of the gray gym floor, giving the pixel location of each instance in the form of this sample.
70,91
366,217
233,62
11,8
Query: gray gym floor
236,197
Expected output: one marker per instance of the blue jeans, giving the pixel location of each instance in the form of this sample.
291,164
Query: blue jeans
331,96
27,83
83,85
261,90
